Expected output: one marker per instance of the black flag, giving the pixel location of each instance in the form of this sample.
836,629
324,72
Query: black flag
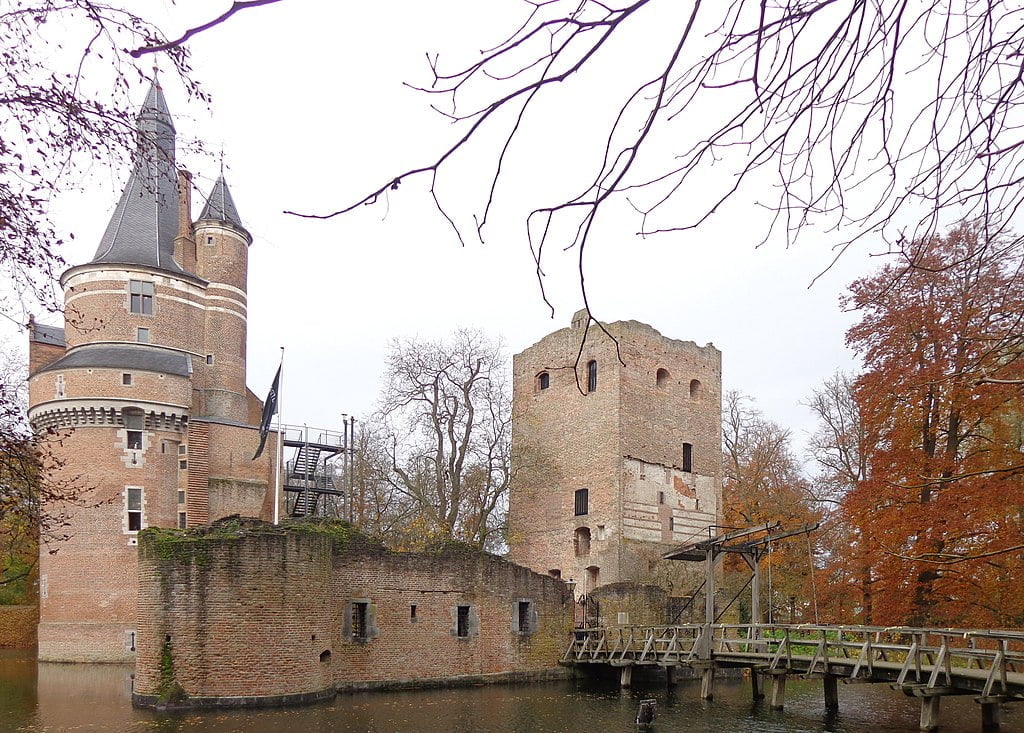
269,409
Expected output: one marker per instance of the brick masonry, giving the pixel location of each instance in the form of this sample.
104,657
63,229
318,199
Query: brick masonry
624,443
264,612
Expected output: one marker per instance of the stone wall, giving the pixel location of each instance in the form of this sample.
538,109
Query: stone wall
244,613
18,626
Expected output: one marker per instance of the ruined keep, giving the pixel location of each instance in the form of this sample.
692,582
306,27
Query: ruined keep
244,613
146,382
617,453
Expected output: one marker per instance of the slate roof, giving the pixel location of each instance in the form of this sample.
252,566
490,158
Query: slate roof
124,356
220,206
144,224
53,335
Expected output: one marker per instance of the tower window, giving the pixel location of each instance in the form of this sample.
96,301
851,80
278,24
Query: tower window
661,497
141,297
182,520
134,422
694,388
582,501
687,457
662,378
126,379
133,507
209,358
462,622
523,613
672,523
543,380
142,335
412,612
591,376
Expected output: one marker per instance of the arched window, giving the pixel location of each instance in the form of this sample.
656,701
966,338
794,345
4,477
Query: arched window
543,380
694,388
593,577
662,378
591,376
581,541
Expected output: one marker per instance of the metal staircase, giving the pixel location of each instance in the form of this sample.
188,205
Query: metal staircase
309,474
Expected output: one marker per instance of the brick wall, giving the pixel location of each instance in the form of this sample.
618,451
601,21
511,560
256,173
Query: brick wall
18,626
255,611
624,442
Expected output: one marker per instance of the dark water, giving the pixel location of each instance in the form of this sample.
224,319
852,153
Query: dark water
57,698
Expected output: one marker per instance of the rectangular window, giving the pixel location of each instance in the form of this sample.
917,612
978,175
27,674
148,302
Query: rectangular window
412,612
133,505
661,497
592,376
209,358
600,532
141,294
462,622
582,500
182,521
182,449
672,523
183,465
524,617
181,497
359,621
134,422
142,335
126,379
687,458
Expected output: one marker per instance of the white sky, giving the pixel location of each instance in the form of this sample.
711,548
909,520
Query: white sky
310,107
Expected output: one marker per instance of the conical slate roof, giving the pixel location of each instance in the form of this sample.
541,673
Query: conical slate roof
144,224
221,207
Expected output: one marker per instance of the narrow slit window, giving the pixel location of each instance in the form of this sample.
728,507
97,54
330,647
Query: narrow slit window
687,458
591,376
524,617
412,612
462,622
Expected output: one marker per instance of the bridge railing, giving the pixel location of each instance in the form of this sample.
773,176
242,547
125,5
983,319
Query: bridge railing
926,657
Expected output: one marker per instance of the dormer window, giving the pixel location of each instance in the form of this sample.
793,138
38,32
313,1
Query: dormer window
141,297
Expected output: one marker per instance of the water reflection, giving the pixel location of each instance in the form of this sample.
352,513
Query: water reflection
57,698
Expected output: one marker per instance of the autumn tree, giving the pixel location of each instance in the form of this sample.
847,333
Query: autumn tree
763,483
445,408
941,500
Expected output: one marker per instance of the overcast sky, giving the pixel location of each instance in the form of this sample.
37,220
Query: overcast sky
310,108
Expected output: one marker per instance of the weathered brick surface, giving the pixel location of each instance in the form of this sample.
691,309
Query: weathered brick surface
199,433
268,613
18,626
623,442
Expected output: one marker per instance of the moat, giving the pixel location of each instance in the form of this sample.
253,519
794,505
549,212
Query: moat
58,698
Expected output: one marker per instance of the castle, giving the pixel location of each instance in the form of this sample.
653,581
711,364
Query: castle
149,376
617,434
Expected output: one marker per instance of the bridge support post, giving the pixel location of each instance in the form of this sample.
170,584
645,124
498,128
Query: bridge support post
755,684
930,712
626,676
670,676
707,682
990,716
778,692
831,684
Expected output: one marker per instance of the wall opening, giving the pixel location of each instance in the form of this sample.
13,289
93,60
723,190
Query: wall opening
687,458
662,378
134,422
524,617
694,388
581,502
325,656
543,380
593,577
555,573
462,622
591,376
581,541
359,630
412,612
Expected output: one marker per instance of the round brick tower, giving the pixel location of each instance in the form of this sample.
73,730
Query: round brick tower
153,344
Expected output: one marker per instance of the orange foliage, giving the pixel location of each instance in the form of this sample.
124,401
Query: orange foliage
935,520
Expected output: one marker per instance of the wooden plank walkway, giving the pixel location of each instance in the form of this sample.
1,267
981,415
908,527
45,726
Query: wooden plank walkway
924,663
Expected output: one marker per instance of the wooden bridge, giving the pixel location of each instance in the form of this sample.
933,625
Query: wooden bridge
924,663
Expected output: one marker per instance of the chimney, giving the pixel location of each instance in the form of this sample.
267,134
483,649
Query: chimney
184,244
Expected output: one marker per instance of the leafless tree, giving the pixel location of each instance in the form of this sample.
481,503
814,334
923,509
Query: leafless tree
839,444
447,406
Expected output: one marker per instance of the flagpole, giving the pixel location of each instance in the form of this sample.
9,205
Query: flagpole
280,444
